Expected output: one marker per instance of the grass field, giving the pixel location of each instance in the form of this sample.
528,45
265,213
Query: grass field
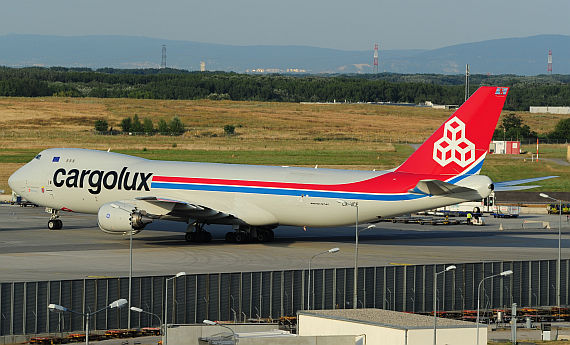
348,136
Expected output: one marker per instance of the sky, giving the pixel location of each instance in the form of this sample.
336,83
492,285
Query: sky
345,25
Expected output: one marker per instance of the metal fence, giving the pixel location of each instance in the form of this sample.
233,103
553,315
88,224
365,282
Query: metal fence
244,295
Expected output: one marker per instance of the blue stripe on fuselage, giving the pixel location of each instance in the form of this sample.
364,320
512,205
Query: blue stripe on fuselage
471,171
287,192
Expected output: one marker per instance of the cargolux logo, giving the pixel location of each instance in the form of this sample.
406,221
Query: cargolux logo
454,146
98,179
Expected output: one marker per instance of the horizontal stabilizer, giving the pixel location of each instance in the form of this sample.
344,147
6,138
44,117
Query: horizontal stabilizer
517,182
436,187
507,186
512,188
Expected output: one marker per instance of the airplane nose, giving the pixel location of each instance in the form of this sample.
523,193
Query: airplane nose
17,181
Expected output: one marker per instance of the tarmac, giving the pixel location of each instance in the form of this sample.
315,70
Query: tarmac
31,252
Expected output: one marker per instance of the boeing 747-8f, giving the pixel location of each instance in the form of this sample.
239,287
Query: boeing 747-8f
128,192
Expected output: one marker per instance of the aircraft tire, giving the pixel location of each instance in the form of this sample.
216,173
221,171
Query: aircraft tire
189,237
55,224
231,237
206,237
262,236
240,237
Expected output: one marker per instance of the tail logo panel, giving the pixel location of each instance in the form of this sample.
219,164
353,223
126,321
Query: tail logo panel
454,146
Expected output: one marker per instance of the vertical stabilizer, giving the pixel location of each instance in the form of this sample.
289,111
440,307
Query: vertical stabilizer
460,144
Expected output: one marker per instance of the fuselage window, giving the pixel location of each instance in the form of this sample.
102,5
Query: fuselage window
38,156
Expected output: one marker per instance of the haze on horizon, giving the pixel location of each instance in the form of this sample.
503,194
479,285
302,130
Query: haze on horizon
346,25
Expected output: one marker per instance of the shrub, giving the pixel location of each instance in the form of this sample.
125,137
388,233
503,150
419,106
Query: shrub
101,125
229,129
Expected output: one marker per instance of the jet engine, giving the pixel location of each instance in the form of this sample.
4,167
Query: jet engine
120,218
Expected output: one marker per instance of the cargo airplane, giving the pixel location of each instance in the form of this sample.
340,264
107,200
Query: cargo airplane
127,192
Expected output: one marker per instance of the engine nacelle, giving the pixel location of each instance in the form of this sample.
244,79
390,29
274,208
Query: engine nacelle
120,218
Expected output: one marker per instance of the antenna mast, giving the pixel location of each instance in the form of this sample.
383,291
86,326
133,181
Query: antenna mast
375,68
163,62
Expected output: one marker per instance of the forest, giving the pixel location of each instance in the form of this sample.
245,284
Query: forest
551,90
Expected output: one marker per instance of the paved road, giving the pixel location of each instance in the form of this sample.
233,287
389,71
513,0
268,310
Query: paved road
30,252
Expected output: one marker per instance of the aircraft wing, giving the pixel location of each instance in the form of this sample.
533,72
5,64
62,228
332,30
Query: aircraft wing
514,184
171,208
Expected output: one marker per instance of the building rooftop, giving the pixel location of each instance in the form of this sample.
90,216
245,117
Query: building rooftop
387,318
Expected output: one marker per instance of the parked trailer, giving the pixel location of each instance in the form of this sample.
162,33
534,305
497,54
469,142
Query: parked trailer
424,220
506,211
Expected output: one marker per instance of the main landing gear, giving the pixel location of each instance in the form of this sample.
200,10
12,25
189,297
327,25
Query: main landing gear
251,233
54,223
196,233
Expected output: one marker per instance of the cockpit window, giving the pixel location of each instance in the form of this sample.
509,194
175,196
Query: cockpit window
38,156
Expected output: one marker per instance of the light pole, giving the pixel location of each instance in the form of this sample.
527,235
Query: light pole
356,232
179,274
140,310
58,308
130,276
130,267
448,268
502,274
558,264
309,291
214,323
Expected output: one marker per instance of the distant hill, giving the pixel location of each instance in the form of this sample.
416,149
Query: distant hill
522,56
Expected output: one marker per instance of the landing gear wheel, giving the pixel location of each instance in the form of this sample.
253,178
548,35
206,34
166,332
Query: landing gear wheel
205,237
262,236
189,237
196,233
231,237
240,237
55,224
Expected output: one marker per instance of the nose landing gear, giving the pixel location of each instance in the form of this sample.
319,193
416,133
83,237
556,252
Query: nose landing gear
54,223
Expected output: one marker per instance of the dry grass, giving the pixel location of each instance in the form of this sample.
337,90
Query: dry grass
340,130
68,122
47,122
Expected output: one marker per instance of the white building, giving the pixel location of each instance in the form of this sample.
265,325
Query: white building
550,110
388,327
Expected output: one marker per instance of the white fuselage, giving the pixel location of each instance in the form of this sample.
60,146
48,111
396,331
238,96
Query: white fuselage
82,180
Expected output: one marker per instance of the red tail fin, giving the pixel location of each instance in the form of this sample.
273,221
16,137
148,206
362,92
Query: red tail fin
459,146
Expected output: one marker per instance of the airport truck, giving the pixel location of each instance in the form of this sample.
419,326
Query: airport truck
18,200
479,207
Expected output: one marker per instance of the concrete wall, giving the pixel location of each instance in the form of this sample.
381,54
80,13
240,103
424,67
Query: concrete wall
189,334
311,326
448,336
320,340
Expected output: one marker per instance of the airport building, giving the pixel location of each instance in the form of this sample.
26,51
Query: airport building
387,327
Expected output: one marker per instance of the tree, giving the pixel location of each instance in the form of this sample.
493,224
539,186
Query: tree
148,126
176,126
163,127
512,127
126,124
101,125
137,126
562,130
